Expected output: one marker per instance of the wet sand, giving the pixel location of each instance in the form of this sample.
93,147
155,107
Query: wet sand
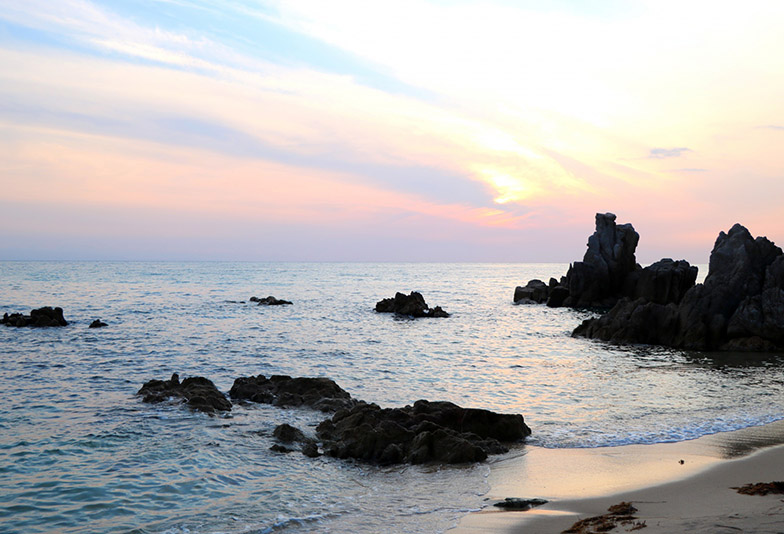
676,487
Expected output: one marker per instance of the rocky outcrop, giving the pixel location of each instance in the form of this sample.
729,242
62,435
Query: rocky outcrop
269,301
740,306
413,305
609,272
319,393
97,324
41,317
425,432
197,392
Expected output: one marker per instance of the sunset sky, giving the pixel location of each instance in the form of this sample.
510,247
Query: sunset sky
413,130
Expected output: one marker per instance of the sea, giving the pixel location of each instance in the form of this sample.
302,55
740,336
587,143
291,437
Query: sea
80,452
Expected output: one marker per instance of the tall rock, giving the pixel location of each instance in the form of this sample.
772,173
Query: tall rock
599,279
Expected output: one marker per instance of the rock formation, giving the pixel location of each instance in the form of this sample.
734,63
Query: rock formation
46,316
269,301
609,272
425,432
740,306
197,392
413,305
97,324
321,394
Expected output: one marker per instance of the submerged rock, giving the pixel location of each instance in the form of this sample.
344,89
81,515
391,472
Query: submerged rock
425,432
97,324
40,317
269,301
197,392
413,305
320,393
739,307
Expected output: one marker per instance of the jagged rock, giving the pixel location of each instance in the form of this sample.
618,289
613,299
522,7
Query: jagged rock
40,317
424,432
197,392
413,305
740,306
320,393
97,324
662,282
269,301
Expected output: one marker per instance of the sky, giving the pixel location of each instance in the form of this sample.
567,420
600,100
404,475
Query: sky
361,130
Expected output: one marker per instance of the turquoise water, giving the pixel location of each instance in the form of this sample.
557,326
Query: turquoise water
79,452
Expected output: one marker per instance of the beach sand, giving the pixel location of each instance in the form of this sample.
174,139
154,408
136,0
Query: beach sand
694,496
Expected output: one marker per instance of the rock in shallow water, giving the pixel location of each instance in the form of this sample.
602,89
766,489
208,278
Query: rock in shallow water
197,392
413,305
280,390
425,432
40,317
739,307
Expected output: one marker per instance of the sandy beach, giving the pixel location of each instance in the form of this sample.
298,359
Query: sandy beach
676,487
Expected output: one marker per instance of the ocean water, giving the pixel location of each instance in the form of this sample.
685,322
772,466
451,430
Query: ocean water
79,451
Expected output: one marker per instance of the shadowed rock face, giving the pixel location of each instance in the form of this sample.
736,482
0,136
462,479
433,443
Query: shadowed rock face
425,432
41,317
413,305
739,307
197,392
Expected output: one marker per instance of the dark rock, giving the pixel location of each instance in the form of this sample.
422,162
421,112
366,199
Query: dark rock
514,503
310,449
425,432
277,447
197,392
558,296
288,434
413,305
269,301
598,281
41,317
662,282
739,307
97,324
320,393
535,291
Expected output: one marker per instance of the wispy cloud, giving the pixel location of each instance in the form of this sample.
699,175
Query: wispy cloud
663,153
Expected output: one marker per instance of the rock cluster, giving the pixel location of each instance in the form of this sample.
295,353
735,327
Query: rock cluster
269,301
413,305
321,394
609,272
740,306
425,432
197,392
46,316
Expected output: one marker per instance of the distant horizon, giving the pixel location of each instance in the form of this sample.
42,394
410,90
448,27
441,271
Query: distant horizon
298,130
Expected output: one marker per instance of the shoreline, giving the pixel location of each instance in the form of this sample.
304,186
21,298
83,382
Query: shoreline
670,496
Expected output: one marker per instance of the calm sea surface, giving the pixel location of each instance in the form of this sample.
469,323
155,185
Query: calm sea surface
79,452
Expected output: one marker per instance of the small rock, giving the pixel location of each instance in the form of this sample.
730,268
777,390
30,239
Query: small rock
97,324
